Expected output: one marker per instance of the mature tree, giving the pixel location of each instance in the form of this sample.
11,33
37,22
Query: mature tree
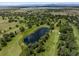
22,29
3,42
12,34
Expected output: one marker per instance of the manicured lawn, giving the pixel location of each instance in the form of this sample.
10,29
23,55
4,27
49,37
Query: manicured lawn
13,48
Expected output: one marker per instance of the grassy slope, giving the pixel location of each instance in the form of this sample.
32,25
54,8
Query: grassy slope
13,48
76,34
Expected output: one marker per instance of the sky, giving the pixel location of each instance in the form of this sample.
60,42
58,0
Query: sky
21,3
33,3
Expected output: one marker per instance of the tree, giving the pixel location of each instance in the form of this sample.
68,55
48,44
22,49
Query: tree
67,43
10,20
52,26
21,21
22,29
40,49
17,26
12,34
6,37
4,31
0,31
3,42
73,53
10,27
0,44
15,20
29,24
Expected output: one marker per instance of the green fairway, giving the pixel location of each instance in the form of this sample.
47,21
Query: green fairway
76,34
51,44
13,48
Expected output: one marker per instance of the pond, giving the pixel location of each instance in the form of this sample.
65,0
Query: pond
32,38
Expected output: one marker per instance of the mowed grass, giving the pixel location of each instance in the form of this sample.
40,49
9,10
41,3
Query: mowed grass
51,44
13,48
76,34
